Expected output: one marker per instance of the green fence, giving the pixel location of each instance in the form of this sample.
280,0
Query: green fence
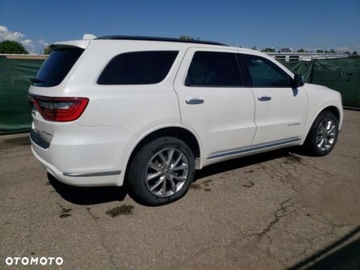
342,75
15,110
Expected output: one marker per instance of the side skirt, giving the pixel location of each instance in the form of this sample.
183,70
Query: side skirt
254,147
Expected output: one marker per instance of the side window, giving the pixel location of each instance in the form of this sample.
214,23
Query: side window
264,73
147,67
215,69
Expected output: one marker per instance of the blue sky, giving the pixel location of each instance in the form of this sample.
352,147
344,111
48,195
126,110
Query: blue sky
307,24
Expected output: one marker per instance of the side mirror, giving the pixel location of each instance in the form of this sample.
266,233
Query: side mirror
298,81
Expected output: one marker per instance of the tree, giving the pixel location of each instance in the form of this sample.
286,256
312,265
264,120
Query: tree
332,51
47,50
285,50
12,47
187,38
320,51
268,50
301,50
354,53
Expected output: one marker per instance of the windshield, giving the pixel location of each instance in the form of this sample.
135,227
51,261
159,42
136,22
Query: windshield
57,66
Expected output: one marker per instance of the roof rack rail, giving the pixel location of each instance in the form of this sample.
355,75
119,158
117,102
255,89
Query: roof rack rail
147,38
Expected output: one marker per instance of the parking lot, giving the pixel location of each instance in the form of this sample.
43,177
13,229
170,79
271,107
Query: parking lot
271,211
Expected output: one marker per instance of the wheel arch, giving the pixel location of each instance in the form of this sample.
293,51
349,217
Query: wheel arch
180,133
333,109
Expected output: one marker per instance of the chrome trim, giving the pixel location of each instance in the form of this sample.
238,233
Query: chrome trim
254,147
91,174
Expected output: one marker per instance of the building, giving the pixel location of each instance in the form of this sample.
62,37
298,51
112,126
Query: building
289,56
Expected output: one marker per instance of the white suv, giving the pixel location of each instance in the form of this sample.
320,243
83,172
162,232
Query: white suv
148,112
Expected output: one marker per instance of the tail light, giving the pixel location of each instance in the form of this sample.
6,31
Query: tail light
59,109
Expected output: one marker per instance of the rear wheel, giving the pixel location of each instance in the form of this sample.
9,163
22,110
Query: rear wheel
162,171
323,134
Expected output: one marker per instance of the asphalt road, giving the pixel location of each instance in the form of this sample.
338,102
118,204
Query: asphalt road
272,211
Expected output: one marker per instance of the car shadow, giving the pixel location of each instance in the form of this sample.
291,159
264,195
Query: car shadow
97,195
87,195
10,143
341,254
243,162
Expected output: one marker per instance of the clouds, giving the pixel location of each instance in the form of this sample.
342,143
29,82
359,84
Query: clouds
5,34
32,47
43,43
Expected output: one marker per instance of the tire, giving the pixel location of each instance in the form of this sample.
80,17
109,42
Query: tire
161,172
323,134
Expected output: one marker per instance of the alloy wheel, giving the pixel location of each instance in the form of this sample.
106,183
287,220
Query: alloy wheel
167,172
326,134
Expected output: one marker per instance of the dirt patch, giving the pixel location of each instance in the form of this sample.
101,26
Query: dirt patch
195,186
65,212
120,210
248,184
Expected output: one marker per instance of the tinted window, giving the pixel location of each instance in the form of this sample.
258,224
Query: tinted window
264,73
214,69
57,66
138,68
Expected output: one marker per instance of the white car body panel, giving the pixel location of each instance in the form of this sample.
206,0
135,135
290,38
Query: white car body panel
225,119
95,149
281,117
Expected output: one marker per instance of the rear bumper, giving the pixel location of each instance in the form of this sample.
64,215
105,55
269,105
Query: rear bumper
92,160
86,180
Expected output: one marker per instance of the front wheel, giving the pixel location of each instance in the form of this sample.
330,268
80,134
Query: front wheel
323,134
161,171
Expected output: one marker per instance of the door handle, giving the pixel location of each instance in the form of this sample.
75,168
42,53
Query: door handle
194,101
264,98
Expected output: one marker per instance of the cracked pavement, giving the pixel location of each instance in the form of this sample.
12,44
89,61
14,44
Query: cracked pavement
280,210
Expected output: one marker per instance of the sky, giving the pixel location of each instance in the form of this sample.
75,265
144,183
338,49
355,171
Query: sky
295,24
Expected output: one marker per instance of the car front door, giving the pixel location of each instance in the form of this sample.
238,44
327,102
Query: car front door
214,102
280,110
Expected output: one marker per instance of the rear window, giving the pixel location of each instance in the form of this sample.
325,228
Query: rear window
146,67
57,66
